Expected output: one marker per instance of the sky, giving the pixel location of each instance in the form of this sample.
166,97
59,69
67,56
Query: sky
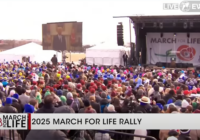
23,19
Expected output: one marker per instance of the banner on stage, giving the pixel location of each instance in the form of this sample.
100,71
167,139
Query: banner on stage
183,47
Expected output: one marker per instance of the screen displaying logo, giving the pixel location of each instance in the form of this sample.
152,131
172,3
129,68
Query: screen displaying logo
186,53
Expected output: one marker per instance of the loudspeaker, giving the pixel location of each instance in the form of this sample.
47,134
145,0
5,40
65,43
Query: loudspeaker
120,35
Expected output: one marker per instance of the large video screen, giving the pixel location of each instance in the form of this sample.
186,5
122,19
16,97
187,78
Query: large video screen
62,36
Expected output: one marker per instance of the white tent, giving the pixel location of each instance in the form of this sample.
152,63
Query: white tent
106,54
32,50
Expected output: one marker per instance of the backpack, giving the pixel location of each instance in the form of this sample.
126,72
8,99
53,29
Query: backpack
75,105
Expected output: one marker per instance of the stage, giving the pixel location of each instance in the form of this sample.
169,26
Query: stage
163,39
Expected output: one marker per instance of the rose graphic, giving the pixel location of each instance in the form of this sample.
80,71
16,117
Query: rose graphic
186,53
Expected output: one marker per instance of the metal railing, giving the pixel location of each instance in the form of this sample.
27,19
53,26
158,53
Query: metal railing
125,136
118,135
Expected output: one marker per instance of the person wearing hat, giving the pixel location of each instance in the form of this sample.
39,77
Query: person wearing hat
63,99
144,106
173,135
17,103
34,103
79,90
8,108
29,108
48,106
110,109
94,104
51,134
185,135
104,101
87,107
184,106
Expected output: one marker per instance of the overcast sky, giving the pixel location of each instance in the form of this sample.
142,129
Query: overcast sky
23,19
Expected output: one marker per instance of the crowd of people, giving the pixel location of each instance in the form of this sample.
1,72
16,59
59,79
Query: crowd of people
30,87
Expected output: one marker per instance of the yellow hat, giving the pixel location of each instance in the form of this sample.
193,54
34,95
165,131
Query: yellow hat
108,70
60,79
58,75
20,74
67,76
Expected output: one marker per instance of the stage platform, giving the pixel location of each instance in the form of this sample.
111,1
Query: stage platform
191,68
156,67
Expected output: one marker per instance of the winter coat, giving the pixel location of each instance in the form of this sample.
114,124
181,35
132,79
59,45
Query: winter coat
102,136
46,109
6,135
143,109
195,134
167,97
103,104
125,109
184,137
46,135
18,106
8,109
24,99
156,96
96,106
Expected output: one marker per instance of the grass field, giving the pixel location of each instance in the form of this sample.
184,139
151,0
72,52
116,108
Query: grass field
75,56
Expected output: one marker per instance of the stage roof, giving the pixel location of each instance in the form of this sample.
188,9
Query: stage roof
163,18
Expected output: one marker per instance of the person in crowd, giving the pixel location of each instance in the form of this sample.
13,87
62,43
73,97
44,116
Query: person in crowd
48,106
156,95
34,103
8,108
94,104
51,134
17,103
98,89
24,97
54,60
125,59
144,106
88,107
125,108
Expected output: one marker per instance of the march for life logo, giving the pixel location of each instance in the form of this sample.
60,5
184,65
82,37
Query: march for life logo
13,121
186,53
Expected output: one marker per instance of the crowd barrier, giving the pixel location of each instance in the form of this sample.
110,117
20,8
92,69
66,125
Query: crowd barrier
116,135
126,135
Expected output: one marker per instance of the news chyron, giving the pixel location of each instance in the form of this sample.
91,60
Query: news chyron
12,121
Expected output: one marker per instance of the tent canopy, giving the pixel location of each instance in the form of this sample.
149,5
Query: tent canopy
28,49
32,50
106,54
107,46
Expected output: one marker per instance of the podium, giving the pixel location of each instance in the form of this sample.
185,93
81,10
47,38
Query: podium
173,59
173,62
